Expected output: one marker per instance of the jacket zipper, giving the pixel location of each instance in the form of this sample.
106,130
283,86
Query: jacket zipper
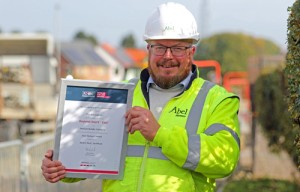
143,165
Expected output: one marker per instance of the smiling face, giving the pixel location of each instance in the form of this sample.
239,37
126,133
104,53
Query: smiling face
168,70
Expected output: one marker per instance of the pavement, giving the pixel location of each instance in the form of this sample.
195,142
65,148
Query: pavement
268,164
257,161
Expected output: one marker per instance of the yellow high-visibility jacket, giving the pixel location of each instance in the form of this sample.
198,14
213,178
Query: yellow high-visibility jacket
197,142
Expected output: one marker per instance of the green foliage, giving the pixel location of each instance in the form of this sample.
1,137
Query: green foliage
264,185
272,112
232,50
81,35
16,31
128,41
292,69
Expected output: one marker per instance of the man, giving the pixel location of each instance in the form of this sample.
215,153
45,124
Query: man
184,130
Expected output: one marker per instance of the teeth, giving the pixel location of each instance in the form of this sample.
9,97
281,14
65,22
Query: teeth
166,66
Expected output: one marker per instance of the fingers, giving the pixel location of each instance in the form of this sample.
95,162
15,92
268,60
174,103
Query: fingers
138,123
136,117
142,120
132,113
49,154
52,171
55,176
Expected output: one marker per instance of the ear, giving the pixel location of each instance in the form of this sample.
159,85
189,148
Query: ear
148,46
193,49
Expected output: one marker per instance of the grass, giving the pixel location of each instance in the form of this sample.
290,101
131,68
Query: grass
261,185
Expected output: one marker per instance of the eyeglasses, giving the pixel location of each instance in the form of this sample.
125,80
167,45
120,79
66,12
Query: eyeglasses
177,51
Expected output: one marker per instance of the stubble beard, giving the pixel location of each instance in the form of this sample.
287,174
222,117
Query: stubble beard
168,82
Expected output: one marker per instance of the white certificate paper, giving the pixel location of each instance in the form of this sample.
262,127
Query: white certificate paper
91,137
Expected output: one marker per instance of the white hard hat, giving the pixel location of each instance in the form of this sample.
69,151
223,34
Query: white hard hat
171,21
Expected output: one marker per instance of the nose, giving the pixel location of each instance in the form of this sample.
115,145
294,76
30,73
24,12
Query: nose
168,53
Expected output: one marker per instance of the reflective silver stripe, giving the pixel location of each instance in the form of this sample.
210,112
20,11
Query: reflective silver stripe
214,128
194,152
138,151
135,151
192,124
197,107
155,152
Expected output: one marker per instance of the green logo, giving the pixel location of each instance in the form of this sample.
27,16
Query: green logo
168,28
179,112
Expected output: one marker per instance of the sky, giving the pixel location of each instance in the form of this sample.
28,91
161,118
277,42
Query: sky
110,21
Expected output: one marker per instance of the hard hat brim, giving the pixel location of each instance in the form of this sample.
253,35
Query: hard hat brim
193,40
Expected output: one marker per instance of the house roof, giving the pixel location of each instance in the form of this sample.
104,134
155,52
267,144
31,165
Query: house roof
124,57
129,57
119,54
107,57
107,47
81,53
139,56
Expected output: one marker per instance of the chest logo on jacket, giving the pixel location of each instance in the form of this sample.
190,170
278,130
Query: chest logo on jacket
179,112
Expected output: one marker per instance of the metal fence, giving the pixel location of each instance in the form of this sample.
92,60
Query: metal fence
20,169
10,162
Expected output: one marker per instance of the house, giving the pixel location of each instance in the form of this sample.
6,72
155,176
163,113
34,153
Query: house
79,59
116,70
258,65
132,59
139,57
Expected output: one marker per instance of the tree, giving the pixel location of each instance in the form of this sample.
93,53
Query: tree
270,92
128,41
16,31
232,50
83,36
41,31
292,70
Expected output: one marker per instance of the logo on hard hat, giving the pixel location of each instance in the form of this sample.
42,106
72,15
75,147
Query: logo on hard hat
169,28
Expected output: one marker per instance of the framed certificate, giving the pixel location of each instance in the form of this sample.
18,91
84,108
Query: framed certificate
91,137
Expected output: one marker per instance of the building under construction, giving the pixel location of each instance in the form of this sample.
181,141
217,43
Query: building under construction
27,84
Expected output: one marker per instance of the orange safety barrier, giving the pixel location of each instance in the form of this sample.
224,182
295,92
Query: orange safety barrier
237,79
211,63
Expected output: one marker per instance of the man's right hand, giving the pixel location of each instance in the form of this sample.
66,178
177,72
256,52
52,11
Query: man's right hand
53,171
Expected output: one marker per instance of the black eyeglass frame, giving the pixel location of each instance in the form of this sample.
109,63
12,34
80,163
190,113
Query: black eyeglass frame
171,49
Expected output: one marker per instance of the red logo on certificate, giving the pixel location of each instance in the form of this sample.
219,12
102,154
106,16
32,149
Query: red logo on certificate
102,95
